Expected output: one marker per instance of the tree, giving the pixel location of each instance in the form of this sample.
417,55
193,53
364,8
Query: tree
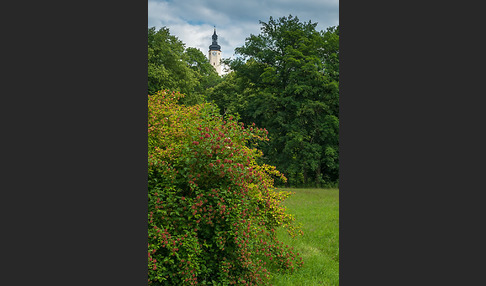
330,52
205,73
167,63
229,95
290,72
172,66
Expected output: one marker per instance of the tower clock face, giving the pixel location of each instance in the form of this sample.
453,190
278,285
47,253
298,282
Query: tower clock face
214,53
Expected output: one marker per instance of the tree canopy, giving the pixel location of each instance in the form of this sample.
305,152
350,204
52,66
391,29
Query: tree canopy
286,79
172,66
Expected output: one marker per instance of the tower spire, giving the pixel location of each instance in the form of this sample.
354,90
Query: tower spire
215,53
215,46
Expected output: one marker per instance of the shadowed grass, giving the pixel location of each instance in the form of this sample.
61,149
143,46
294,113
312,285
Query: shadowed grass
318,212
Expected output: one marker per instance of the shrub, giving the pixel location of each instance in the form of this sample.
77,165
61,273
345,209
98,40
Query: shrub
212,209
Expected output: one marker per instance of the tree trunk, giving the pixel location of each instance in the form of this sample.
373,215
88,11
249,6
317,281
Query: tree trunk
318,176
304,172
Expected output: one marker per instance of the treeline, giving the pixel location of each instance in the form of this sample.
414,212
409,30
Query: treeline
286,80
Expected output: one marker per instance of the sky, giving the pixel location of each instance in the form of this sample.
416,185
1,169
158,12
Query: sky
193,21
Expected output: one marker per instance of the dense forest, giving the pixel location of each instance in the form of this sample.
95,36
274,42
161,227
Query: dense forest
285,80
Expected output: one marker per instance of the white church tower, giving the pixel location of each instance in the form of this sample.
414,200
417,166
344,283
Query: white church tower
215,53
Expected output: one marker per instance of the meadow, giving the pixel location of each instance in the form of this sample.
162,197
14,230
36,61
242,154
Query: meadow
318,212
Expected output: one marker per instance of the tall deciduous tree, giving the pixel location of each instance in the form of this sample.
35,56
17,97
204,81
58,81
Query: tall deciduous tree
290,72
167,66
205,73
172,66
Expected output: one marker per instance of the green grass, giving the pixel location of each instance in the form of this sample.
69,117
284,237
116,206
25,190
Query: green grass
318,212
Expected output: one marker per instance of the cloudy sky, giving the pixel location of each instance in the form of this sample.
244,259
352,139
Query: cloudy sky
193,21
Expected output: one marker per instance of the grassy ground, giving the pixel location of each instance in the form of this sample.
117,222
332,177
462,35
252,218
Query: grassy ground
318,211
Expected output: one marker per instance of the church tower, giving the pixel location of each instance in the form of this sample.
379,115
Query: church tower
215,53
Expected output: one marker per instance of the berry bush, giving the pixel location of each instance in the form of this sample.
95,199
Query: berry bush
212,208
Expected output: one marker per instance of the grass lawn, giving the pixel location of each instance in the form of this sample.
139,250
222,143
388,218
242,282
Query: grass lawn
318,212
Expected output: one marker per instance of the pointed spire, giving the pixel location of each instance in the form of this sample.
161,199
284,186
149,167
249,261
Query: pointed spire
215,45
215,37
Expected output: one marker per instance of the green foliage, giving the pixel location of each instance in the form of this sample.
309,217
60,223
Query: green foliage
172,66
167,66
205,72
213,211
287,80
227,95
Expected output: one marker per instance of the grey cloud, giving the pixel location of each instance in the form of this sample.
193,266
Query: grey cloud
234,20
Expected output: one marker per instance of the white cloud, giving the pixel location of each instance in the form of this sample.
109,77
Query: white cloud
192,21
